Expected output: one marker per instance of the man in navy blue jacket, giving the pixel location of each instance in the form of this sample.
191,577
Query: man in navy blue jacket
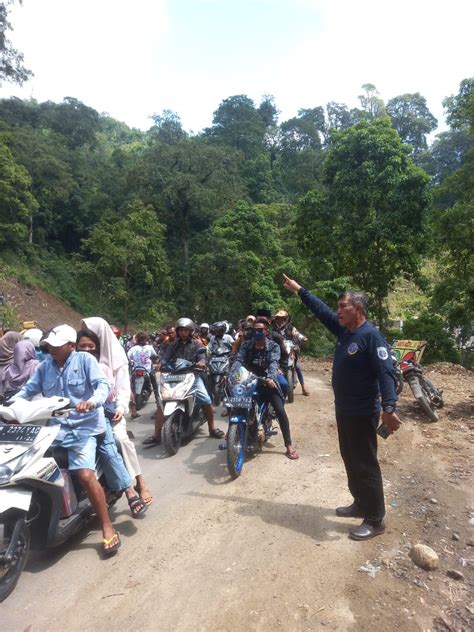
362,376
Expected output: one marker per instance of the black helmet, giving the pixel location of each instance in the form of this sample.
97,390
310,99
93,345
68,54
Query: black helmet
219,328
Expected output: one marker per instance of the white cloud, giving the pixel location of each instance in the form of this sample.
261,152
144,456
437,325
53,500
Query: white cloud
407,46
99,51
122,57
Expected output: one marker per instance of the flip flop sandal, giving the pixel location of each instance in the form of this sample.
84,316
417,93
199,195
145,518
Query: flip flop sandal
147,500
216,433
293,455
108,550
135,502
149,441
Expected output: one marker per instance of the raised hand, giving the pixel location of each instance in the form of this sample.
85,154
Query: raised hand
290,284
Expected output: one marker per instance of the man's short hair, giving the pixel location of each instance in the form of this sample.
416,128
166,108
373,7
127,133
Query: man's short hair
358,299
141,338
263,321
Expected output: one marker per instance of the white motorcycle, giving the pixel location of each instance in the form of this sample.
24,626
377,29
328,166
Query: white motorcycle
40,503
182,416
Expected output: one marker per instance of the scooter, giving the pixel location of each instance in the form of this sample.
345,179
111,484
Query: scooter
182,416
41,504
141,386
219,364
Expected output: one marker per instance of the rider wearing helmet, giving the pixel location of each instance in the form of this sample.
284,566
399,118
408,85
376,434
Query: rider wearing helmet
203,334
187,348
261,356
283,326
221,341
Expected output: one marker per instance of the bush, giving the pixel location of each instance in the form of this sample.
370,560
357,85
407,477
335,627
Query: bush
431,327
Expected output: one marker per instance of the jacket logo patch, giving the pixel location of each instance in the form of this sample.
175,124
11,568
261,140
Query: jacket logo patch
382,353
352,348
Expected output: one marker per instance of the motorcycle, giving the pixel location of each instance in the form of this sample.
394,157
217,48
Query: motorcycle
250,421
182,416
219,364
141,386
41,504
290,371
408,354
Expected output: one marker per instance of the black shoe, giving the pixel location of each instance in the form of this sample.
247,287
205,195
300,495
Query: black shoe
367,530
352,511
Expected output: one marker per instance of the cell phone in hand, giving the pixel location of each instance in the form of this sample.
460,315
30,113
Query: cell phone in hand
384,431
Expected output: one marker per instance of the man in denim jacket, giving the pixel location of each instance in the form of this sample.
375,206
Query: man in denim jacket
77,376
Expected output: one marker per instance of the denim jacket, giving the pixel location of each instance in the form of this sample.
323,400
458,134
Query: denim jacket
80,379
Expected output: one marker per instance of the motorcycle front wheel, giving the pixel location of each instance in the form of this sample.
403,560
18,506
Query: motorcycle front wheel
236,442
11,570
172,433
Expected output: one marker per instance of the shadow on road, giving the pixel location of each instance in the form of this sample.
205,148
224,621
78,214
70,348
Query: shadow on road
39,560
317,523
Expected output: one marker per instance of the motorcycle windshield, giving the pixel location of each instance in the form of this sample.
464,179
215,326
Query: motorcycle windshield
180,364
245,389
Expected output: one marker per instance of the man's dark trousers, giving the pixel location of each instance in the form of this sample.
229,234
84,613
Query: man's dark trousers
358,446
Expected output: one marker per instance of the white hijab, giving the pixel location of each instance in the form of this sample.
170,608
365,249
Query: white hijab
111,351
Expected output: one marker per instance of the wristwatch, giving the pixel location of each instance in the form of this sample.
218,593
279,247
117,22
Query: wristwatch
389,409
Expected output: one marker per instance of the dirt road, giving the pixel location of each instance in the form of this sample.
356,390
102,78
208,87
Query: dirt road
266,552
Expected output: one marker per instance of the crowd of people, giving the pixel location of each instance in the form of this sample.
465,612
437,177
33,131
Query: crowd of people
91,367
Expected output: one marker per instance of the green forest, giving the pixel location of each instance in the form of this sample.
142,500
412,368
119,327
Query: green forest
144,226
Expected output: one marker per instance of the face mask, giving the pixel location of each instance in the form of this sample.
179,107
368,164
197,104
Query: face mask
258,334
248,335
93,352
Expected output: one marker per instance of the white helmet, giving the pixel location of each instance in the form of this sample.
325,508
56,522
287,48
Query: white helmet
34,335
204,326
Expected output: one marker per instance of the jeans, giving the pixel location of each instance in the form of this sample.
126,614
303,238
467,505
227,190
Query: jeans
299,373
111,462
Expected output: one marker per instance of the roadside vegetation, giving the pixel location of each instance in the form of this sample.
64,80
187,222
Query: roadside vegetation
142,226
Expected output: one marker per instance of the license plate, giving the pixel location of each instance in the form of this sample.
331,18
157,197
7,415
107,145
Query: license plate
173,378
239,402
14,497
139,382
18,434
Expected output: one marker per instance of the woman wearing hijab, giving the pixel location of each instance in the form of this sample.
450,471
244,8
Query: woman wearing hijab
113,355
7,348
22,368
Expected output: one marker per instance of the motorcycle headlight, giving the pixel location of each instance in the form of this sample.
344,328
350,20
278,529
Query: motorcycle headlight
5,474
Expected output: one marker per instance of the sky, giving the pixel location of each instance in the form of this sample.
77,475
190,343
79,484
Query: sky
134,59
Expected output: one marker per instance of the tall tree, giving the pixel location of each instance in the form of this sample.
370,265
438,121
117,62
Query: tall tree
127,267
412,119
239,124
167,127
370,223
11,60
372,105
454,224
17,205
234,271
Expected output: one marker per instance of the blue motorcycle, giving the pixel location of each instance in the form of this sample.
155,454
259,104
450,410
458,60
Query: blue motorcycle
250,420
